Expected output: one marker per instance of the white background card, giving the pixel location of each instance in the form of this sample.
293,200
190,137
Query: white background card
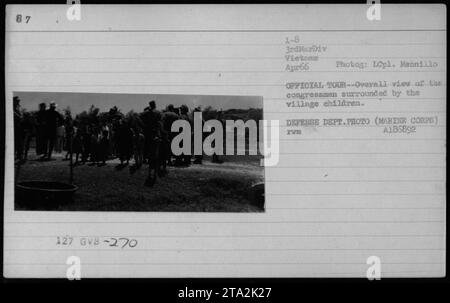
339,194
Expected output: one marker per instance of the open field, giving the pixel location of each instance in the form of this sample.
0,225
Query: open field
199,188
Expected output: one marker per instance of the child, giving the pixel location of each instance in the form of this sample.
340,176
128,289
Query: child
77,145
138,147
94,147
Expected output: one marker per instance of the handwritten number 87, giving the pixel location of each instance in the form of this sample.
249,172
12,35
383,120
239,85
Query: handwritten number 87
19,18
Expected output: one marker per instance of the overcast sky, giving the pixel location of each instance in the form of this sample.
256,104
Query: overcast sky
79,102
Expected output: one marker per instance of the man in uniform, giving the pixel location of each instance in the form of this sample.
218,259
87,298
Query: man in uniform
152,133
52,121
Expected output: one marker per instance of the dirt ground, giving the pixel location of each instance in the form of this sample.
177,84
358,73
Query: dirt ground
208,187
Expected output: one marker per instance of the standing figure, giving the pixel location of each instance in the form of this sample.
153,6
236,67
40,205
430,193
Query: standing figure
169,117
124,142
164,149
52,121
138,147
150,119
69,135
86,137
77,144
94,146
40,130
29,131
18,129
184,160
103,146
60,134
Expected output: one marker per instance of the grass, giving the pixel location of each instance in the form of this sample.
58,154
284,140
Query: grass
198,188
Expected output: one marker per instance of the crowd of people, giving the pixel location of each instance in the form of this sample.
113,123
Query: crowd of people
93,139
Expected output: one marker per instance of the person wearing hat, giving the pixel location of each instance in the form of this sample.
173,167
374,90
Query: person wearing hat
52,120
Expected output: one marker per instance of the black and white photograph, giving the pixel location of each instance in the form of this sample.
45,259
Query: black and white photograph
112,152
